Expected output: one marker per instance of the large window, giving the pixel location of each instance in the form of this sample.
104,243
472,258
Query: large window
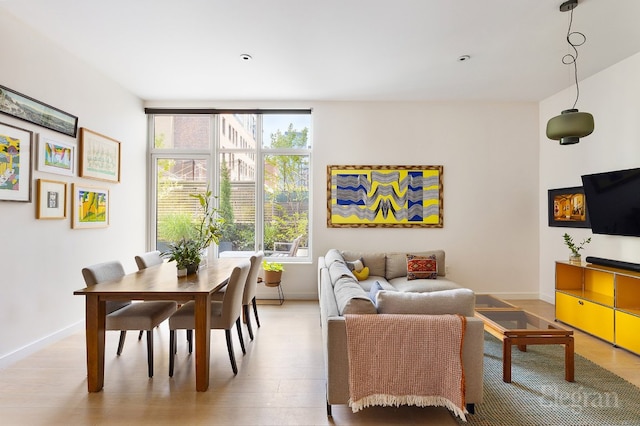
256,163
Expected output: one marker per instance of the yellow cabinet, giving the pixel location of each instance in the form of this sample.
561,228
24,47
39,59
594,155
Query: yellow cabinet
587,316
627,326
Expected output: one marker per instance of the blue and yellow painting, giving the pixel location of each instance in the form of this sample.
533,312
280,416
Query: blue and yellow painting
9,163
386,196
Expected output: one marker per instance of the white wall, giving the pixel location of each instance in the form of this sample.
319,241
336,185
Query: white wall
490,156
613,97
42,259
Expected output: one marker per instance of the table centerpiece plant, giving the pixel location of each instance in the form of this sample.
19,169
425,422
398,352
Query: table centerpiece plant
575,248
207,229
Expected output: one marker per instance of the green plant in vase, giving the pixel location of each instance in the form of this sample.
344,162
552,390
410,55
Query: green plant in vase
575,248
272,273
188,251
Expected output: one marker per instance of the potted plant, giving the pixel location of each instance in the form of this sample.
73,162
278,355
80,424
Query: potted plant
575,248
272,273
188,251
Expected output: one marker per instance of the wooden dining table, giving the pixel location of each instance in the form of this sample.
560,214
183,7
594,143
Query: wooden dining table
155,283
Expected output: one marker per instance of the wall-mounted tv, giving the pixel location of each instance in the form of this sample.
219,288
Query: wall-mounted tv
613,202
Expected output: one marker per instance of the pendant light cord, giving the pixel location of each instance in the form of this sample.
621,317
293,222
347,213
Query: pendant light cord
572,58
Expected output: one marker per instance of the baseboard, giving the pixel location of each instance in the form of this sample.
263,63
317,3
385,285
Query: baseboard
510,295
31,348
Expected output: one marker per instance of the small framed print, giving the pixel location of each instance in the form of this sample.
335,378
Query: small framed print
90,207
52,200
15,163
568,208
99,156
56,157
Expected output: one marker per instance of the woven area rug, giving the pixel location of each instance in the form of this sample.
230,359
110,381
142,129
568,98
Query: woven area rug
539,395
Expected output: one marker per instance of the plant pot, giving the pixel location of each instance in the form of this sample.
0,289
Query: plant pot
575,259
272,278
193,268
182,272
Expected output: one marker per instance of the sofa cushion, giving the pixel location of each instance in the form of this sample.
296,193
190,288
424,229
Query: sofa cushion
396,263
333,255
351,298
374,261
458,301
422,267
338,270
422,286
356,265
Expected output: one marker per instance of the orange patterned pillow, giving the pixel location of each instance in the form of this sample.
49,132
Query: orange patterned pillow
422,267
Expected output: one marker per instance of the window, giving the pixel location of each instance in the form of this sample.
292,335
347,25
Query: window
257,164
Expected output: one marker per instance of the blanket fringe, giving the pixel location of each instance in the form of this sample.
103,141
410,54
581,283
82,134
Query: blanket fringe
398,400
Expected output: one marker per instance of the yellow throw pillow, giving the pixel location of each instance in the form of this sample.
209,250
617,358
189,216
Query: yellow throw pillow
363,274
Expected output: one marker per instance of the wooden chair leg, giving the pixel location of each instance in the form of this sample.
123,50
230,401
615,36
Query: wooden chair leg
248,320
150,351
255,311
172,351
239,327
123,334
232,357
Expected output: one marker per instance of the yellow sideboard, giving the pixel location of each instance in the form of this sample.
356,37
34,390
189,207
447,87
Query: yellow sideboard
601,301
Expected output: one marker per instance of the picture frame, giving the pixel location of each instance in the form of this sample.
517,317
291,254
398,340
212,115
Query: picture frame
51,200
56,156
567,207
99,156
90,207
26,108
385,196
15,167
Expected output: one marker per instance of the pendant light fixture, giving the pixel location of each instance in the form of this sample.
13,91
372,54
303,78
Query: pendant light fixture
571,124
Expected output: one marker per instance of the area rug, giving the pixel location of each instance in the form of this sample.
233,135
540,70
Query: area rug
539,395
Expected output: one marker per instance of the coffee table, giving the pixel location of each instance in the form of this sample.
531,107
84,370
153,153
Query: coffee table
515,326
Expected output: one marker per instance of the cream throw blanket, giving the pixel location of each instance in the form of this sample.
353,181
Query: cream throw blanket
406,360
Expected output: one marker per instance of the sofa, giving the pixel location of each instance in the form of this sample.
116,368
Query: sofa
341,293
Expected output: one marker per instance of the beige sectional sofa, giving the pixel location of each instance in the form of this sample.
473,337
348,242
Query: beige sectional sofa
340,293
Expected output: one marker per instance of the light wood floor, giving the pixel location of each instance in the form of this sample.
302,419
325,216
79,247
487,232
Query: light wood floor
280,381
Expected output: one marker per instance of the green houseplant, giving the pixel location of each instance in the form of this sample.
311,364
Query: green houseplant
575,248
207,229
272,273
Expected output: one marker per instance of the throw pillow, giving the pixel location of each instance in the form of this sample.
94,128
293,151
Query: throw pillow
362,275
422,267
356,265
373,292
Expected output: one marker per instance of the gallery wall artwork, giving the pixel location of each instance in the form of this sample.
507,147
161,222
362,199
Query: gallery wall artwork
384,196
51,201
15,163
56,156
99,156
90,207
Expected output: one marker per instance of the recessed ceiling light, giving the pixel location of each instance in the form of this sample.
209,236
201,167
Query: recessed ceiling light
464,58
246,57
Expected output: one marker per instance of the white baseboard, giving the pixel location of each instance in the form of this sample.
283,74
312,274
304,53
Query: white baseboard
25,351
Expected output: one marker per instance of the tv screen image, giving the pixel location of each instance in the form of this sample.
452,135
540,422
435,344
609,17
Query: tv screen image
613,201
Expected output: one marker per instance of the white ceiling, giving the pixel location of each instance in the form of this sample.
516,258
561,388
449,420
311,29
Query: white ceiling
336,49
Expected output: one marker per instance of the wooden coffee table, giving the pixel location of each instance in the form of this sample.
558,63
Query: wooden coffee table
515,326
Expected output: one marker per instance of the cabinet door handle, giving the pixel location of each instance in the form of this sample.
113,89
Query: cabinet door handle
580,302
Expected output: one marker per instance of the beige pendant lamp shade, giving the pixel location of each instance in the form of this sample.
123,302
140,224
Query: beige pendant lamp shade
571,124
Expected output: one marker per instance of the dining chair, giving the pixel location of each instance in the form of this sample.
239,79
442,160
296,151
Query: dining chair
150,258
249,295
125,315
224,314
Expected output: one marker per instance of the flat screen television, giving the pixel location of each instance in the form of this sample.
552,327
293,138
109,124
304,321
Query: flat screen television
613,202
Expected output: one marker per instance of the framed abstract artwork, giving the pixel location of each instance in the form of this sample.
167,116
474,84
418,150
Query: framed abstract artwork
56,157
99,156
384,196
15,163
90,207
28,109
568,208
51,201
